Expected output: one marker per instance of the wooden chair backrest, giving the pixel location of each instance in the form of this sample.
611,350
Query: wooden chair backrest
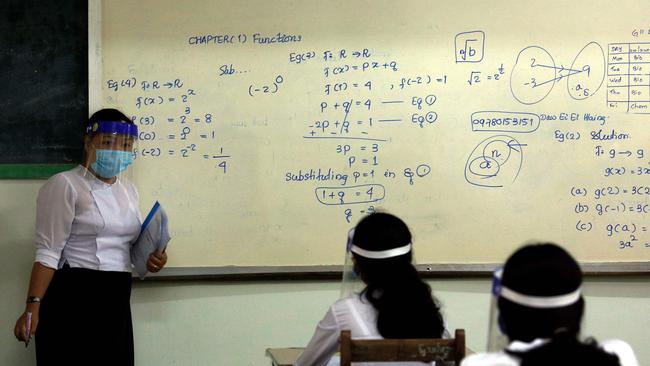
401,350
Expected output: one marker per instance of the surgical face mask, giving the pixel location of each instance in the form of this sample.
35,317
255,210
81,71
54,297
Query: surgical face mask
109,163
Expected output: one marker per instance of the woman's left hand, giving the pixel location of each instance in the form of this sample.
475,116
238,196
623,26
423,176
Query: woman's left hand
157,261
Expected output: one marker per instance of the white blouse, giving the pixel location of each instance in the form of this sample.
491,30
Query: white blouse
85,222
621,349
352,313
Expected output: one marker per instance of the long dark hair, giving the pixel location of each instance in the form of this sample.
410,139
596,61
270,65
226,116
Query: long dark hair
547,270
405,306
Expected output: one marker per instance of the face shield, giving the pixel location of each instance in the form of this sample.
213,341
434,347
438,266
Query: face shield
109,148
497,340
351,282
107,171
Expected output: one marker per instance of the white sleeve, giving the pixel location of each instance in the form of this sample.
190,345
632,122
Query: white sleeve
622,350
323,343
55,212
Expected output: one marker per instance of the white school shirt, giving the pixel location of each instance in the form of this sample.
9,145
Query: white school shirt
352,313
85,222
620,348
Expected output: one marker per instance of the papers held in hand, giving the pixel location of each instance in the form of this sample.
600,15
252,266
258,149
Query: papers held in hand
154,235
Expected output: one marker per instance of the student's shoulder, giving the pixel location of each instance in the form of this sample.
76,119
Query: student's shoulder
489,359
354,303
621,349
354,299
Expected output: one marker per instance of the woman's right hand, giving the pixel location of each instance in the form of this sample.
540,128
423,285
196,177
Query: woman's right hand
20,330
38,283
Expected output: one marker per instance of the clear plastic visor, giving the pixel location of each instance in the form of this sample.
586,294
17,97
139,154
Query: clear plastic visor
109,152
106,171
497,340
351,281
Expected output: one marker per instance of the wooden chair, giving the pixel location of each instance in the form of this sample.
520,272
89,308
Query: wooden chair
401,350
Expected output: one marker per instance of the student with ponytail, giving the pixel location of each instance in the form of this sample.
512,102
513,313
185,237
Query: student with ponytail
395,303
540,309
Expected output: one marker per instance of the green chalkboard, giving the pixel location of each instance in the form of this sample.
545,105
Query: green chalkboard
44,96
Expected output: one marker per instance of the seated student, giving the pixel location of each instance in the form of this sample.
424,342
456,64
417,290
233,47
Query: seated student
540,308
395,303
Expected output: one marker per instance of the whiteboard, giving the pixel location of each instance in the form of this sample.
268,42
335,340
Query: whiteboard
269,128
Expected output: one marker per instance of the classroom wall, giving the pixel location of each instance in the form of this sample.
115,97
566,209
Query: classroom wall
231,323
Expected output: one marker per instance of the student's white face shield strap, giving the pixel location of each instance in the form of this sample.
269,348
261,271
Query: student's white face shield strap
382,254
541,302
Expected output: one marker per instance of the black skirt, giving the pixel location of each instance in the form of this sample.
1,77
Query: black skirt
85,319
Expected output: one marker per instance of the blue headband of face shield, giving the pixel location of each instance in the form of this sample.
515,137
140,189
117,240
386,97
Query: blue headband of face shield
113,128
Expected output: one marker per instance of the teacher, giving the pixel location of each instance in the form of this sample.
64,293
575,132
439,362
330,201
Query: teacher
78,302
